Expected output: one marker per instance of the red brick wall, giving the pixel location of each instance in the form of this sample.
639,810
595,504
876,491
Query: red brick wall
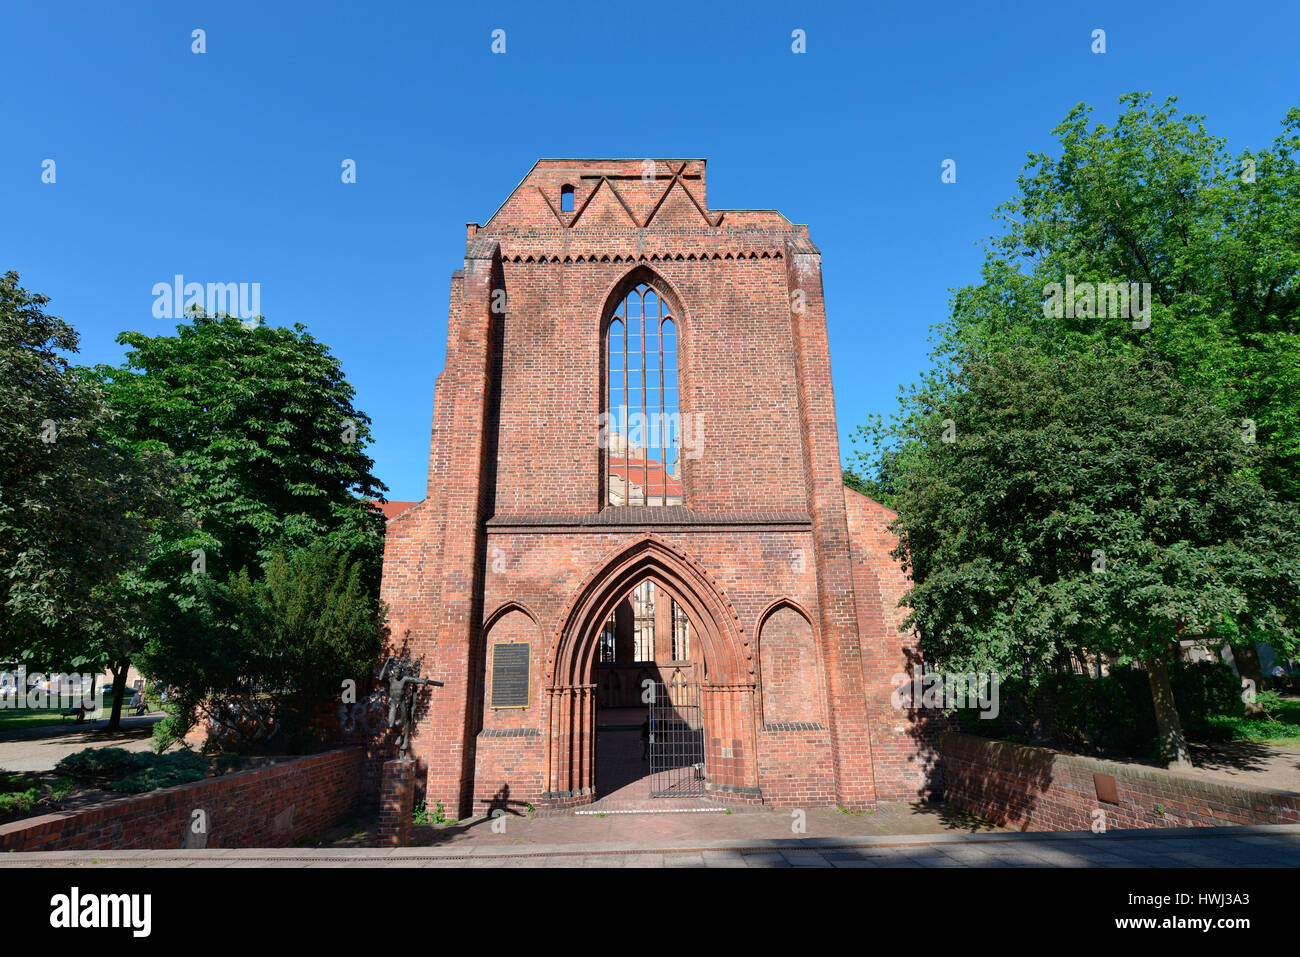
795,765
1035,789
904,740
735,323
263,807
509,746
396,803
514,512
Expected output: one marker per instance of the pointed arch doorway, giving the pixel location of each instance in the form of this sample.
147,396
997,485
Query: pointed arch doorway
649,726
650,638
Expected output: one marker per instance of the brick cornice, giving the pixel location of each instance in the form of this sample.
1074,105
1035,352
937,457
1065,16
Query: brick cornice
602,254
635,518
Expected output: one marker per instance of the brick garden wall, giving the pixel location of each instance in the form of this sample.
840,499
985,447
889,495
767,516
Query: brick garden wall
1036,789
272,806
903,740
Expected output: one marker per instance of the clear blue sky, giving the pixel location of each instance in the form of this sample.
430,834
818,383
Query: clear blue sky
225,166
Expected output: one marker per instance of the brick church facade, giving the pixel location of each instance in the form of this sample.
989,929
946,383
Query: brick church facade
635,477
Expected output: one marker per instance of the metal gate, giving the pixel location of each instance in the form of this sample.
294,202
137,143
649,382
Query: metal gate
676,741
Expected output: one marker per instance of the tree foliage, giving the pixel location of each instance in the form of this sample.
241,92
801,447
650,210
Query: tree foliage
1089,501
75,510
1212,242
258,655
261,423
271,593
1153,198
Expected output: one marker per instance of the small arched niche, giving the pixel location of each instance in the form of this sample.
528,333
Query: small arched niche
789,670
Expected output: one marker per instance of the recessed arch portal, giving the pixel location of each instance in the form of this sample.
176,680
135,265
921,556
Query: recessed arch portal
724,647
719,647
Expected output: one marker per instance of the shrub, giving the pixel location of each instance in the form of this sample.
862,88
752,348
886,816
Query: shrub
99,765
1114,714
280,644
17,797
423,817
133,772
1205,689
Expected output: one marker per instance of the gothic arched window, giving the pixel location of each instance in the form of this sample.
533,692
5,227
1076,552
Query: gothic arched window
642,432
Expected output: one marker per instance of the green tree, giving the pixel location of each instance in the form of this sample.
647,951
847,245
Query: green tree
1152,199
855,481
1090,501
276,647
261,422
879,467
76,511
313,623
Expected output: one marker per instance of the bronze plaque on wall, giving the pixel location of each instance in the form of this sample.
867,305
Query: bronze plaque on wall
1106,790
510,675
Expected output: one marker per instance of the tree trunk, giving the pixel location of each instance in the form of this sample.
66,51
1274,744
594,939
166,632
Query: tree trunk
1247,659
1169,728
118,692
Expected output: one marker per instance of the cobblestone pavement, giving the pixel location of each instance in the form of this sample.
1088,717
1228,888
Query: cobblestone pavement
1276,846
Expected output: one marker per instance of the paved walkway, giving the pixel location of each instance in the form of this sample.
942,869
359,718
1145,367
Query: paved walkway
623,777
42,747
682,822
1277,846
1248,764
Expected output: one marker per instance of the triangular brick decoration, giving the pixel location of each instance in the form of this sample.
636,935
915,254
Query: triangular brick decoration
678,208
604,208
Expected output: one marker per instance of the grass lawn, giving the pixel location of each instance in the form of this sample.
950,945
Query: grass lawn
12,718
1278,725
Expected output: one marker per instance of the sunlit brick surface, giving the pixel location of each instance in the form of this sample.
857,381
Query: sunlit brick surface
514,541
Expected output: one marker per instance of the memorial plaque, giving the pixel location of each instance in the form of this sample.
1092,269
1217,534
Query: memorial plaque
510,675
1106,789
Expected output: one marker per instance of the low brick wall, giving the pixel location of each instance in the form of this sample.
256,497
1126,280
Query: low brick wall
271,806
1036,789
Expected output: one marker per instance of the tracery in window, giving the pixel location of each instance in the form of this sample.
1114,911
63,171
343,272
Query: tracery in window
643,622
607,636
645,627
681,634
